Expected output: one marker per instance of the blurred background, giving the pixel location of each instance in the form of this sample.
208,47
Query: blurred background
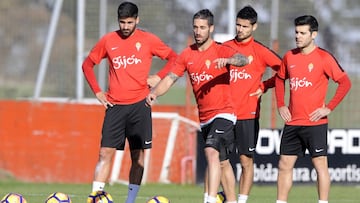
27,54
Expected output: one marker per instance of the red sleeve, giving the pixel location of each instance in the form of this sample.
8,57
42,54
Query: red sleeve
344,85
269,83
88,69
272,60
170,63
180,65
279,91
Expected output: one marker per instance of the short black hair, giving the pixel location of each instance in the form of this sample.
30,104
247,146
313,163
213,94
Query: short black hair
307,20
205,14
127,10
248,13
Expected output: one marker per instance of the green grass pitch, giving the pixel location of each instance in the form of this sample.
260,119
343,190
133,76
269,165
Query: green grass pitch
37,192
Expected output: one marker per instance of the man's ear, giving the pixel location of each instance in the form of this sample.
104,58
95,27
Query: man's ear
212,27
254,27
314,34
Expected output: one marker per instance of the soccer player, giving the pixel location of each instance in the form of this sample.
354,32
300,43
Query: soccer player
129,52
207,64
308,69
247,88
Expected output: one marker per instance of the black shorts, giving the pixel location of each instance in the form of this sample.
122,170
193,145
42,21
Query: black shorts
132,122
246,136
219,135
296,139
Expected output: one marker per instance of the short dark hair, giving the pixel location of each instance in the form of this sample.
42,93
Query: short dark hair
127,10
205,14
248,13
307,20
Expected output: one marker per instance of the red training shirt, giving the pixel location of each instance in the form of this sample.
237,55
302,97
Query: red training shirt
210,85
129,64
247,79
308,79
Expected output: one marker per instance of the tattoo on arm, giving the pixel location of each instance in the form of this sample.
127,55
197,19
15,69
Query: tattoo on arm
239,60
173,76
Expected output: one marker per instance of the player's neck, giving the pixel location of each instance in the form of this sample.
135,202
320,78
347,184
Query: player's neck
205,45
244,40
308,49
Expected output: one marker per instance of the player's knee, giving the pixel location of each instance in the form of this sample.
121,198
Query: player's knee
211,154
225,164
285,166
137,158
246,161
106,154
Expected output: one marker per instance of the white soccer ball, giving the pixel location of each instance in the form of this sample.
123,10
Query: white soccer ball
58,197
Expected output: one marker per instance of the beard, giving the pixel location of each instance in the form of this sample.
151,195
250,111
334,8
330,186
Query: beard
126,32
302,44
201,41
241,37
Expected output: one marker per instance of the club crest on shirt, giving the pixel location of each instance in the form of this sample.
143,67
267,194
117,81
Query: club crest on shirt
310,67
207,63
138,46
250,59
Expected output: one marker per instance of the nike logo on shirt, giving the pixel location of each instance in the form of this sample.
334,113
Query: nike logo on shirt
219,131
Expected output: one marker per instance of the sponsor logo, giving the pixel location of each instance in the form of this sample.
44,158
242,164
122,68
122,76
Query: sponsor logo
113,48
236,75
124,61
292,66
197,78
296,83
251,149
148,142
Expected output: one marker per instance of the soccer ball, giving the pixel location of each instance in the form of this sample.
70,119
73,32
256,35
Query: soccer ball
220,197
13,198
58,197
99,197
158,199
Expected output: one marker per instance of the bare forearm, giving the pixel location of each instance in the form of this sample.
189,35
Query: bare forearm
165,84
